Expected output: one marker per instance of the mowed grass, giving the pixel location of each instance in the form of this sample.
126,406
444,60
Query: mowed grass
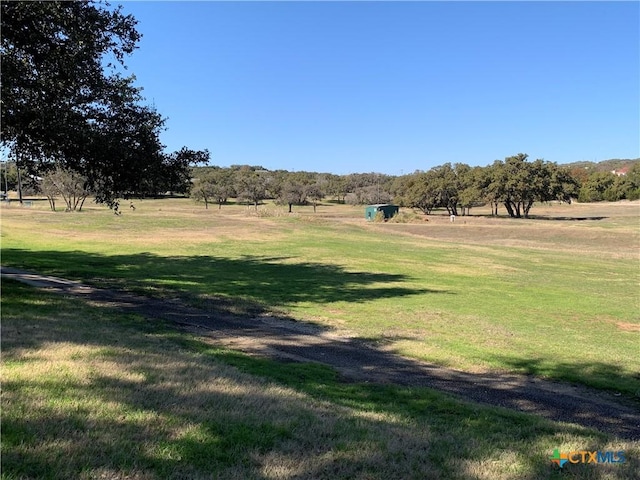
555,296
92,393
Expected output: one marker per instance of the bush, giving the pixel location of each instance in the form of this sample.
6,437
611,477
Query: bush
379,218
406,217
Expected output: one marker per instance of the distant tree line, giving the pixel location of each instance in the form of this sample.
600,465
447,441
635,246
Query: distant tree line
598,185
514,184
254,184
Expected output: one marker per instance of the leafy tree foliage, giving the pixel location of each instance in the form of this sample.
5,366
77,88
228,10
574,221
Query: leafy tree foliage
607,186
315,192
470,194
297,188
292,193
415,191
66,103
518,184
176,174
631,183
251,185
515,183
337,187
8,176
216,184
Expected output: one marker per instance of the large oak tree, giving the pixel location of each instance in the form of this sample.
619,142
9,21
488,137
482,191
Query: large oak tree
67,103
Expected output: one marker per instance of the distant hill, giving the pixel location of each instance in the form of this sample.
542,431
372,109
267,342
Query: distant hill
605,165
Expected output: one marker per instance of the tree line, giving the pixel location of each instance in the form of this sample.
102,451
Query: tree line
514,184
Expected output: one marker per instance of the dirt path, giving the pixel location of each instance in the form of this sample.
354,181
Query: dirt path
360,361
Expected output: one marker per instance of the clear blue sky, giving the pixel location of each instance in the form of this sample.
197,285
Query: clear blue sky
392,87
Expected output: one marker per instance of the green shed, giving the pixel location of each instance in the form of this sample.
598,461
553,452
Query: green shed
387,210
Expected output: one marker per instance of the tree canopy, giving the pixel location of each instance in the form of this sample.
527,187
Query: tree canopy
67,104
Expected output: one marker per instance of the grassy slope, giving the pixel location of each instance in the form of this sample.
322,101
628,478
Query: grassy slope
540,297
89,393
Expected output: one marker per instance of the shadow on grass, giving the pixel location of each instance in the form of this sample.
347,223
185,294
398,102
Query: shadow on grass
566,219
541,217
131,399
603,376
246,285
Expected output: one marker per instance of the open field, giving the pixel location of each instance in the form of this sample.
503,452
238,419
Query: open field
89,393
556,297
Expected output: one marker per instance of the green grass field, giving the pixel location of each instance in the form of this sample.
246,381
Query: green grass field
92,393
88,394
557,299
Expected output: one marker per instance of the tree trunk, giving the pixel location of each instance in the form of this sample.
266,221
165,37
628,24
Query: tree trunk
508,205
19,184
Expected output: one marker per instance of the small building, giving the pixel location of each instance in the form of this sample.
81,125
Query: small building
387,210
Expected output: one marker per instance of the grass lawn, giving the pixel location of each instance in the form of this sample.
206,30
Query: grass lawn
91,393
554,296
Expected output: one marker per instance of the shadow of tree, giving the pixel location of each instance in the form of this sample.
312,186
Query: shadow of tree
132,399
246,285
544,217
566,219
571,371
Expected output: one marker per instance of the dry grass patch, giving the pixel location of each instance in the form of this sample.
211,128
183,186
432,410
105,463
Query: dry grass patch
628,327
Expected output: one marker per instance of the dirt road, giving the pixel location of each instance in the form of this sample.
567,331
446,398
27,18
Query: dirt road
357,360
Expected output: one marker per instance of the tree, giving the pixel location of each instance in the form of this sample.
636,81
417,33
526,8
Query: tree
203,190
68,184
415,191
337,187
124,155
9,176
251,185
176,173
631,183
216,184
315,192
491,182
563,185
518,184
65,101
470,191
292,193
444,184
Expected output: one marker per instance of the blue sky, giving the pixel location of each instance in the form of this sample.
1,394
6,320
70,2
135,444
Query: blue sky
392,87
